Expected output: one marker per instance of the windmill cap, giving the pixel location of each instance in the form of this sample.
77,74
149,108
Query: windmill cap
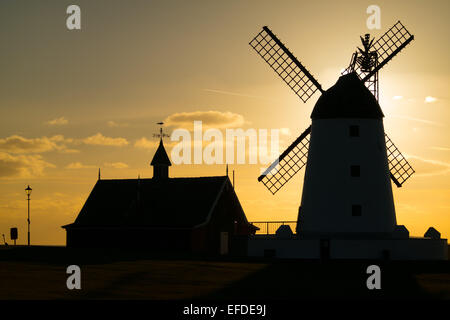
348,98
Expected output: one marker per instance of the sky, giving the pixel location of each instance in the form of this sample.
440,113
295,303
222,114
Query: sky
73,101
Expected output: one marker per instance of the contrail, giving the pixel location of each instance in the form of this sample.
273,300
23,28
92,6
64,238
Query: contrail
233,93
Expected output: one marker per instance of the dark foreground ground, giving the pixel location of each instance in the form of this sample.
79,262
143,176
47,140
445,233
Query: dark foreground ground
40,273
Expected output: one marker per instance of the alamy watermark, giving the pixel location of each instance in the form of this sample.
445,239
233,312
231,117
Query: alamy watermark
74,280
374,20
73,21
212,146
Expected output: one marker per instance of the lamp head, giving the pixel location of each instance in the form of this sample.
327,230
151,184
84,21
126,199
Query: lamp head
28,190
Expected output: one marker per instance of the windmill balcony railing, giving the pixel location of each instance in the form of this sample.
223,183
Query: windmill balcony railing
270,227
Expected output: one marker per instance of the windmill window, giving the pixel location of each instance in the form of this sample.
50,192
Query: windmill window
354,131
355,171
356,210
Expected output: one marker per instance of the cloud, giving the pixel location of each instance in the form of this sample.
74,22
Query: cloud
114,124
232,93
214,119
61,121
144,143
78,165
22,165
18,144
285,131
397,97
101,140
67,204
440,148
430,99
116,165
418,120
428,167
407,207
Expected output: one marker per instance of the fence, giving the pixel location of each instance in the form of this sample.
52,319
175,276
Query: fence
270,227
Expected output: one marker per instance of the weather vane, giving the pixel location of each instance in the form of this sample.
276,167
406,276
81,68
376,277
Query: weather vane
161,134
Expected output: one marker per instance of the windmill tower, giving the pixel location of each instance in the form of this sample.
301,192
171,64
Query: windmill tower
348,157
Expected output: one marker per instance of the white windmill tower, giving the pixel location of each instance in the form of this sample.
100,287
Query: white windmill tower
348,157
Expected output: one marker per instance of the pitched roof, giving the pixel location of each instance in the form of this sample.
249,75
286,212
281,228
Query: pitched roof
175,202
348,98
160,158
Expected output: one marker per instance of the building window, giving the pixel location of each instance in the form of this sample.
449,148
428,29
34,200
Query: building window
356,210
354,131
355,171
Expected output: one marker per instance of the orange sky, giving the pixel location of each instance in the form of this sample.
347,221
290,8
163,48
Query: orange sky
74,101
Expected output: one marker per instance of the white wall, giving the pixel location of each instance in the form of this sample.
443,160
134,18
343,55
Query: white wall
399,249
404,249
285,248
329,191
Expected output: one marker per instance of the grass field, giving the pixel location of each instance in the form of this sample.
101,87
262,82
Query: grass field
40,273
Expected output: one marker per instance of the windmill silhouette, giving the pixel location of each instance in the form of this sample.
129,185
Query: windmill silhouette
348,157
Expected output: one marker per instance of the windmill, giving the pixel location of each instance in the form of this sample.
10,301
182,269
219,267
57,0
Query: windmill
348,157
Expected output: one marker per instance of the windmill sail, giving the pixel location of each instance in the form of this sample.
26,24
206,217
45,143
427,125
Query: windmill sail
399,167
388,46
384,49
285,64
390,43
365,63
291,161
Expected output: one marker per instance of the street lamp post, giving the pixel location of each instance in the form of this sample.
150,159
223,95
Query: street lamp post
28,191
